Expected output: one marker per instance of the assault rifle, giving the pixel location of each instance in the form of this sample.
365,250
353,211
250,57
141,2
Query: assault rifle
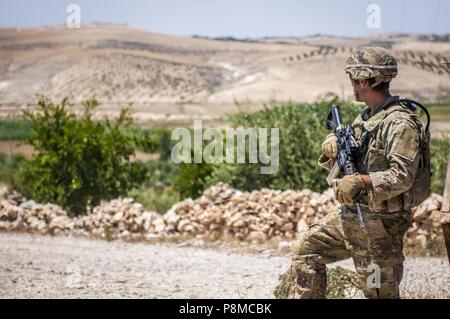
347,146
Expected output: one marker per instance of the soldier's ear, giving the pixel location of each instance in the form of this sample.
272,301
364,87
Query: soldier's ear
363,84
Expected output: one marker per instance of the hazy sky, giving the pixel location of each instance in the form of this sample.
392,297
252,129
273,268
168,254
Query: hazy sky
239,18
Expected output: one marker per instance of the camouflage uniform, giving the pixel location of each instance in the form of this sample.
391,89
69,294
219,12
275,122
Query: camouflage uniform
390,158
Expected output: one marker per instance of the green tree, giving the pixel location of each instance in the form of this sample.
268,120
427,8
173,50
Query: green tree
78,161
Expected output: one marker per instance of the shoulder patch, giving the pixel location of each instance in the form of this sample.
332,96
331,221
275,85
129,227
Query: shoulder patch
404,139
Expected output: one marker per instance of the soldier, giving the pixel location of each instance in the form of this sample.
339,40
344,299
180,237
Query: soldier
391,138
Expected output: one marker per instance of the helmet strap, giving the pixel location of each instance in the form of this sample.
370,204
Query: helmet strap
374,84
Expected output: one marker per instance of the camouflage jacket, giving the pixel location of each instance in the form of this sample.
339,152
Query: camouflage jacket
390,158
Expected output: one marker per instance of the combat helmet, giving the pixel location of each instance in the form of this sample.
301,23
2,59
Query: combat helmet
372,63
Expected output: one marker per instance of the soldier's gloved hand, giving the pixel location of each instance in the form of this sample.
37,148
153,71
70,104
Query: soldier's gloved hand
347,188
329,146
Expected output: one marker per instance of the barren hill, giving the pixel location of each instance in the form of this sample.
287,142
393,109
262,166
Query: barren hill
170,77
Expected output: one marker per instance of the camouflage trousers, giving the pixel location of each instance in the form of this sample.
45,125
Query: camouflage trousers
338,236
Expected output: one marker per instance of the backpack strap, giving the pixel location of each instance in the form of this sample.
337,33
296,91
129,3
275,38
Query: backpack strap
412,105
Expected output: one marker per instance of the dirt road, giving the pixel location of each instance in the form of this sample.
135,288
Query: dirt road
64,267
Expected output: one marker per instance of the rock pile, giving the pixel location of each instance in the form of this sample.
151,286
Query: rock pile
221,213
427,222
224,213
17,213
120,218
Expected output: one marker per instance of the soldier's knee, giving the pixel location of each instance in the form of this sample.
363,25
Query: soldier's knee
303,247
305,261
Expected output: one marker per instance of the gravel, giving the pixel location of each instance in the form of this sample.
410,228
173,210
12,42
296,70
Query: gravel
35,266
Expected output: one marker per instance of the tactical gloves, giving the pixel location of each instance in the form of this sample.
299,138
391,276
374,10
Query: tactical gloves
348,187
329,146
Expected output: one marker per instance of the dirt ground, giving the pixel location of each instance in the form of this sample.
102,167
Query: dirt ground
66,267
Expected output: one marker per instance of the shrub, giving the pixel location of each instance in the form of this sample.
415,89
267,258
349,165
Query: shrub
14,130
191,179
157,193
78,161
9,169
301,134
161,174
154,140
160,138
439,156
156,199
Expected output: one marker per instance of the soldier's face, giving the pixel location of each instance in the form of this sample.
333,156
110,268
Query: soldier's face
355,90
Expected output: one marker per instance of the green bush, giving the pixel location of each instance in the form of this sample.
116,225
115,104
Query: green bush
161,174
301,134
191,179
9,168
157,193
161,139
14,130
439,155
78,161
154,140
156,199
